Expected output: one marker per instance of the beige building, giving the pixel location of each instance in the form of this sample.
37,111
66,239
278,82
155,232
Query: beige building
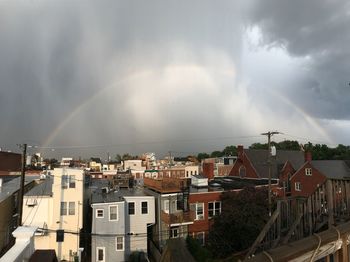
57,204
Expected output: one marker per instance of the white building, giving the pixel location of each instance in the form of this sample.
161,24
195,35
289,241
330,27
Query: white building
56,204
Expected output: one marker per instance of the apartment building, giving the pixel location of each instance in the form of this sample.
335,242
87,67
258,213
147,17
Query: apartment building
120,223
56,208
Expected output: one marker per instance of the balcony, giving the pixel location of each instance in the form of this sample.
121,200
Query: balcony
179,217
166,185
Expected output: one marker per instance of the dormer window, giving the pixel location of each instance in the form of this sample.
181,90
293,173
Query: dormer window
308,171
242,172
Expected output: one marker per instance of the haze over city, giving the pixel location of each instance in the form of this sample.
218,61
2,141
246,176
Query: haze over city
86,77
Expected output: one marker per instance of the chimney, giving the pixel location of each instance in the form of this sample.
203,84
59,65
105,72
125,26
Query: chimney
308,156
240,152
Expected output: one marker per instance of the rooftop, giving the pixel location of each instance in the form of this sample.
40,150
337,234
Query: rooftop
337,169
42,189
13,185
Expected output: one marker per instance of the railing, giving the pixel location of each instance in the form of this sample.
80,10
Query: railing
178,217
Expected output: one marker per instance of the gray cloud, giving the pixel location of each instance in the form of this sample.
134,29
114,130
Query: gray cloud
124,72
319,33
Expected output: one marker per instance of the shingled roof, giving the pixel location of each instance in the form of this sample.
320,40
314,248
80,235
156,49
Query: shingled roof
337,169
258,158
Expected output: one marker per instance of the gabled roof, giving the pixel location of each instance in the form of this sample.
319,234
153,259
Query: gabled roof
337,169
258,159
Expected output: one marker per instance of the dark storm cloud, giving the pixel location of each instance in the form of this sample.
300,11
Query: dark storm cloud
319,33
56,55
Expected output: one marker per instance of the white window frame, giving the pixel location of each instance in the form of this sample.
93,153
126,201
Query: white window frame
68,181
297,186
69,207
104,254
129,208
308,171
202,238
61,209
199,216
166,206
116,243
109,215
172,230
147,207
103,213
214,209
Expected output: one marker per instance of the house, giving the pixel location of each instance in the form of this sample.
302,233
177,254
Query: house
56,208
9,191
314,173
120,223
172,210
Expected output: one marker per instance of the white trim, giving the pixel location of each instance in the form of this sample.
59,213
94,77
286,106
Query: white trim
308,171
147,208
109,213
203,237
106,203
104,254
128,203
297,188
116,243
103,213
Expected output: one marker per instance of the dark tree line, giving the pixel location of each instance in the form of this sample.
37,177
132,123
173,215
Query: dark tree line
318,151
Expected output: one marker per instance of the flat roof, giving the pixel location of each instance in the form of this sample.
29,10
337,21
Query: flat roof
116,195
42,189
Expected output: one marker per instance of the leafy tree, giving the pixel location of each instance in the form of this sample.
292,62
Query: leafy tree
198,252
216,154
258,146
230,151
243,216
118,158
201,156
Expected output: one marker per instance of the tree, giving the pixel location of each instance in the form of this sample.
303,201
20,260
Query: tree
230,151
216,154
118,158
243,215
258,146
201,156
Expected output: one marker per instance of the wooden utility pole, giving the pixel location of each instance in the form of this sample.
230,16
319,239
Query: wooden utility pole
269,135
21,189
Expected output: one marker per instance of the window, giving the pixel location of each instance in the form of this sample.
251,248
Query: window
119,243
297,186
100,254
242,172
214,209
201,238
166,206
63,211
67,208
198,208
113,213
174,232
144,207
308,171
67,181
131,208
71,210
99,213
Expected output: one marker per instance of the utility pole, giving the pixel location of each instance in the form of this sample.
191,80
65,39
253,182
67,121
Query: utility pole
269,135
21,189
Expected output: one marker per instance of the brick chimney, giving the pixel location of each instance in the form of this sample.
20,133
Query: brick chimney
307,156
208,170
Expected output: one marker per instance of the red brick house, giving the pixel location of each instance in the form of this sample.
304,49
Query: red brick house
205,206
314,173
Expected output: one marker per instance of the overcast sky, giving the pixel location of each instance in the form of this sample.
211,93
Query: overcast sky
91,77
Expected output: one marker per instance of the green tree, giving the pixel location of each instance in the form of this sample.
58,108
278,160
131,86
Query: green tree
258,146
243,216
201,156
216,154
230,151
